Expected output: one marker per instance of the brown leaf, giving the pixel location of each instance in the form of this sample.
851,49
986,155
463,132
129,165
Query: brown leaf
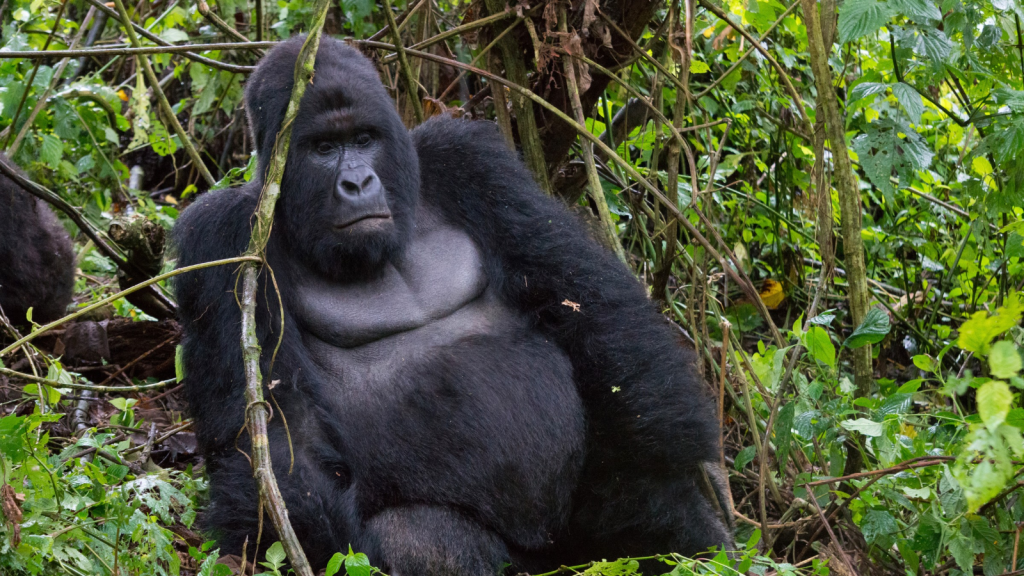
590,8
12,512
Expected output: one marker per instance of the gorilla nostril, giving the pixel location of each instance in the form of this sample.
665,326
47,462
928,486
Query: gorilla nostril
350,187
369,180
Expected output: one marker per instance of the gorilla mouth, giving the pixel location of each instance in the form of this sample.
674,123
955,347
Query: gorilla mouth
373,216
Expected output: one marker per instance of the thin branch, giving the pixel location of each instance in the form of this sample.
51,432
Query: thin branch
778,68
749,51
165,105
140,50
411,85
596,190
221,25
92,387
100,303
111,13
729,266
256,409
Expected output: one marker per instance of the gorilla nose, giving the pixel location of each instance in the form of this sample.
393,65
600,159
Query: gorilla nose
358,181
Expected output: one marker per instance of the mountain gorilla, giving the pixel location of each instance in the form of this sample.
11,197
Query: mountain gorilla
37,263
468,380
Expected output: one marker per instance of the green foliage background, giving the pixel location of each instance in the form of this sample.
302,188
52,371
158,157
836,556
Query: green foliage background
933,100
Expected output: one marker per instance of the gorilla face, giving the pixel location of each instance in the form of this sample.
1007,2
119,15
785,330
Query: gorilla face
351,184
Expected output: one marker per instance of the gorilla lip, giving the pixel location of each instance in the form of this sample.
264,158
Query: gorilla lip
378,216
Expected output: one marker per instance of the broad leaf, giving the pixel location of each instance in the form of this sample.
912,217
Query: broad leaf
871,331
1004,360
858,18
890,149
864,426
820,346
909,100
994,400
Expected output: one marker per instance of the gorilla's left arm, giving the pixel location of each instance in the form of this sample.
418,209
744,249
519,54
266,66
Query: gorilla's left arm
651,476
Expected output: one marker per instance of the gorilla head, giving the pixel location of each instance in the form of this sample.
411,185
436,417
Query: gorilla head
351,185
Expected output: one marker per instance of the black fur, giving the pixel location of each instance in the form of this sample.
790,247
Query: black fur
473,456
37,263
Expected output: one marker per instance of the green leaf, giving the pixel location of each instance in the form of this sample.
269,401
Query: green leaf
858,18
864,426
179,363
963,552
699,67
52,150
334,564
820,346
276,555
934,45
744,457
1004,360
891,149
357,564
910,100
117,471
925,362
920,11
871,331
876,524
977,333
994,400
173,35
865,89
161,140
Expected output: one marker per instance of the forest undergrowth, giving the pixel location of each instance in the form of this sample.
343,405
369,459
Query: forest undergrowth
823,196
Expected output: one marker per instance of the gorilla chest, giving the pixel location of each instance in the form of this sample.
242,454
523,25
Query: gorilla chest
434,298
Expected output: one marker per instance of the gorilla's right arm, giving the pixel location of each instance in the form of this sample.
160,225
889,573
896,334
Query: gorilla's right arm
217,226
652,480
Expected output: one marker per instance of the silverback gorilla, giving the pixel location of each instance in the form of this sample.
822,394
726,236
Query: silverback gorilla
450,411
37,263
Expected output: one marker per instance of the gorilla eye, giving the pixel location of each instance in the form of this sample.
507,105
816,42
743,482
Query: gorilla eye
362,139
324,147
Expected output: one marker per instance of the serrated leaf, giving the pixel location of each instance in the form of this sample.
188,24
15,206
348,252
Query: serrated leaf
865,89
52,150
920,11
871,331
977,333
933,44
963,552
864,426
909,100
898,403
994,401
889,149
858,18
876,524
1004,360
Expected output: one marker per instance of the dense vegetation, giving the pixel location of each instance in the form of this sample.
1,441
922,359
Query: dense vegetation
833,216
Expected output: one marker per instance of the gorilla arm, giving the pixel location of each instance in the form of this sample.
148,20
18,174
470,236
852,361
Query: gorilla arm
652,481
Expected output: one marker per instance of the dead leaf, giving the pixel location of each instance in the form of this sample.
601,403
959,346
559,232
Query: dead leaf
12,512
575,307
772,294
